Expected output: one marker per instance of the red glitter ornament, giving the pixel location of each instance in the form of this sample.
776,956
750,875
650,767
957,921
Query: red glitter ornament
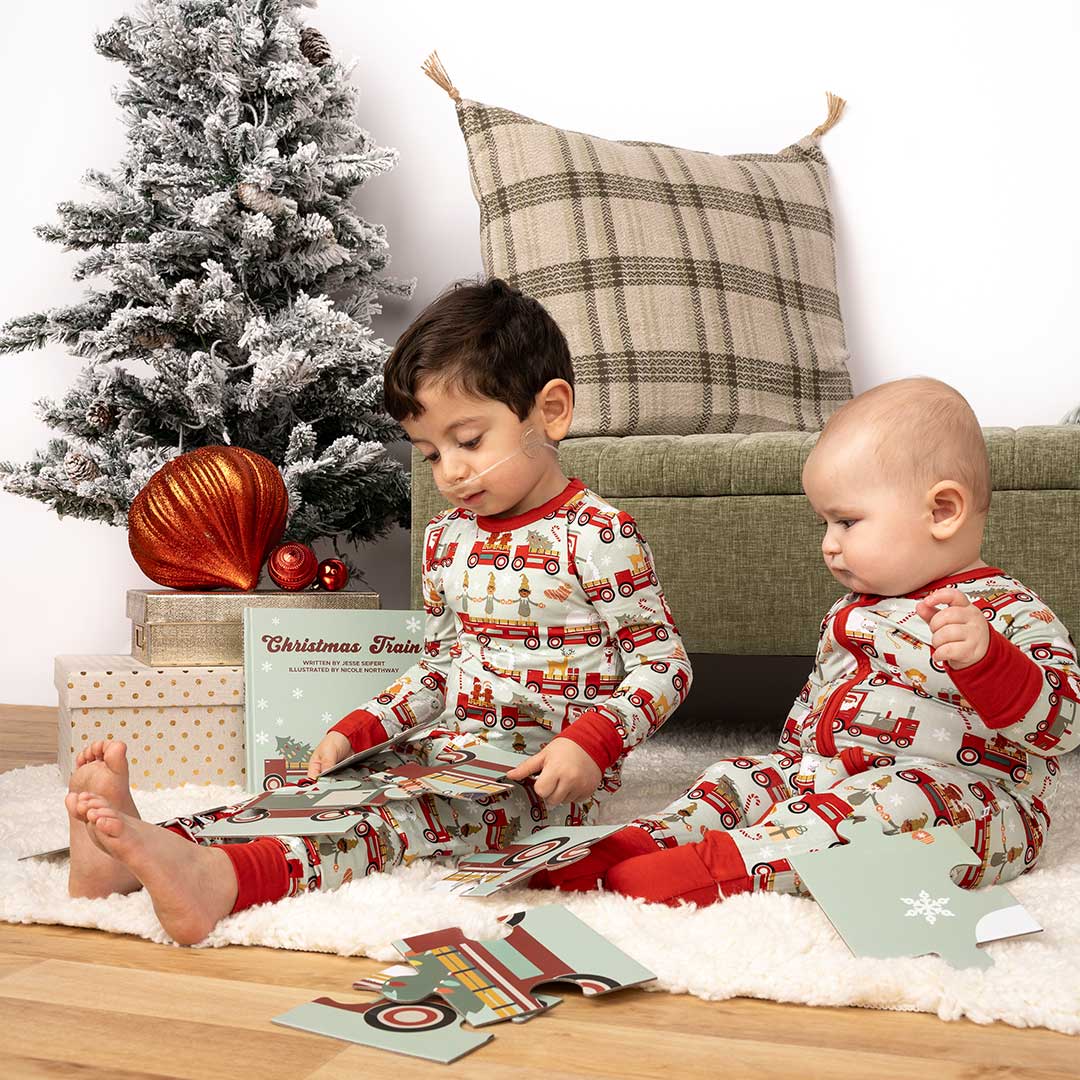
292,566
333,574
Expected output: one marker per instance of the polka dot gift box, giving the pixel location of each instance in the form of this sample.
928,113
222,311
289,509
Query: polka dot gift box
181,725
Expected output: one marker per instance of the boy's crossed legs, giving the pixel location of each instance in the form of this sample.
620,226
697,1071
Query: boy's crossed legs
194,883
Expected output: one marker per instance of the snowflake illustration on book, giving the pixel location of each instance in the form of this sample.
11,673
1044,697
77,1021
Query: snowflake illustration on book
927,907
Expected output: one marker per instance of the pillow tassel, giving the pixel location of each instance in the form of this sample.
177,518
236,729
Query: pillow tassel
836,107
433,69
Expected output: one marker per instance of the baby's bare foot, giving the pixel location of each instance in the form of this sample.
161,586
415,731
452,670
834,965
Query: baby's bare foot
192,887
100,769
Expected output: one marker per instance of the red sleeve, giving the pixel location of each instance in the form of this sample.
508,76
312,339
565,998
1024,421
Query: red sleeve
1003,686
362,729
596,735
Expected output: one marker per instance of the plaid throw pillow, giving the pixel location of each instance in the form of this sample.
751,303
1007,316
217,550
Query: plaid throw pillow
697,292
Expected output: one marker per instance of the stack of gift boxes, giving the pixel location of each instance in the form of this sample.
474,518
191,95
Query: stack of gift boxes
177,699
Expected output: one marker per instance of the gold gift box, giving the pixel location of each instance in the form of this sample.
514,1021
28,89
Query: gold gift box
173,629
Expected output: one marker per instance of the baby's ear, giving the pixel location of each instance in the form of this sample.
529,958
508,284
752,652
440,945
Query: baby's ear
950,507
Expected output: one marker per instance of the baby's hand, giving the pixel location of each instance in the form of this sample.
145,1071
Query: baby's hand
333,748
961,632
567,773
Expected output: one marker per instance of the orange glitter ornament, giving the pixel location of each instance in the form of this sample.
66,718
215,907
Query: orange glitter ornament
206,519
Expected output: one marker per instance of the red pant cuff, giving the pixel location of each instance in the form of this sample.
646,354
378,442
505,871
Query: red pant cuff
262,871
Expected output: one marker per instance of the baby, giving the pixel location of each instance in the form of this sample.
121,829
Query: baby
943,689
560,648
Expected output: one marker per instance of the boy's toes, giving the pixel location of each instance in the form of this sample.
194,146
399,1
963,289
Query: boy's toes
114,754
106,820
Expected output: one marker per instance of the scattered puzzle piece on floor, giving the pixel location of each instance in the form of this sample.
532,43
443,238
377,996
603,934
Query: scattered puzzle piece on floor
893,896
491,871
426,1029
490,981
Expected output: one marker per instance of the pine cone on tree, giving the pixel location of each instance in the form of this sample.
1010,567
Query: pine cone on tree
80,467
100,414
154,339
314,46
254,198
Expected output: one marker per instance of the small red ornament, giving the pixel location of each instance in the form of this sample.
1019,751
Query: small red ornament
333,574
292,566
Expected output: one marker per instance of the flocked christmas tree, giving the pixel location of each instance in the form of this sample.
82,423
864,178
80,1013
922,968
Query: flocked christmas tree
213,252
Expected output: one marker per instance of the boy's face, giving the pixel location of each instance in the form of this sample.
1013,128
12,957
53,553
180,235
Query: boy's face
461,435
878,535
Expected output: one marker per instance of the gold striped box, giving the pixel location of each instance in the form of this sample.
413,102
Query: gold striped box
171,628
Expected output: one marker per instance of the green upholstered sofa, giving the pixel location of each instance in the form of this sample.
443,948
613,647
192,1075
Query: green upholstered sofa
737,546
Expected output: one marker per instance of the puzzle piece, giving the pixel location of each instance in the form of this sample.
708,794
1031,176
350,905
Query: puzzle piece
377,984
404,736
489,981
893,896
326,806
487,872
426,1029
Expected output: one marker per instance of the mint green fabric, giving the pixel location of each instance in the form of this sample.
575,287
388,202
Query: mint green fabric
738,548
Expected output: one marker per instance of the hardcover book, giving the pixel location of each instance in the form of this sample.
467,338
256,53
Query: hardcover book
305,669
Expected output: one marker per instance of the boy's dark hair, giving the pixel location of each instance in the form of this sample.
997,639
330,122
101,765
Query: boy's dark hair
487,338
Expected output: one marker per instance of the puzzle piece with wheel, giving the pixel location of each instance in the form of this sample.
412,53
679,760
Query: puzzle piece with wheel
486,872
490,981
428,1029
892,895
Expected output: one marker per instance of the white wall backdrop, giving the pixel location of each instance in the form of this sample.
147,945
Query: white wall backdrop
954,169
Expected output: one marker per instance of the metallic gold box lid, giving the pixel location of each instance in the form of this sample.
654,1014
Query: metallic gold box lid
151,607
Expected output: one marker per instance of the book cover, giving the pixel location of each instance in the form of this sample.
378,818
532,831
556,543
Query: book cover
305,669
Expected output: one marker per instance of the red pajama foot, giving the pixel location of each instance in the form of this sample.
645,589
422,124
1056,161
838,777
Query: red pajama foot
700,873
584,875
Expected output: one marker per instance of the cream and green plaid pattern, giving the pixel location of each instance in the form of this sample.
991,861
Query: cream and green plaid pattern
698,292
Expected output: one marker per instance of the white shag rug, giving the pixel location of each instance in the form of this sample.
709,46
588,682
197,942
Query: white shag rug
755,945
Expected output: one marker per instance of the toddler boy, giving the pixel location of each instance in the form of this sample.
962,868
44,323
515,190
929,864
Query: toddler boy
547,633
943,689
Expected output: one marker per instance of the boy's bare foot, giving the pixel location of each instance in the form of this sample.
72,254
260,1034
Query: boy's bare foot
101,769
192,886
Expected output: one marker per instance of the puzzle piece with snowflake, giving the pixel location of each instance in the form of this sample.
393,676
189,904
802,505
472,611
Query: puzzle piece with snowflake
892,895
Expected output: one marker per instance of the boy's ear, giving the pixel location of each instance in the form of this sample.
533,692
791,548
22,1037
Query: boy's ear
950,506
555,403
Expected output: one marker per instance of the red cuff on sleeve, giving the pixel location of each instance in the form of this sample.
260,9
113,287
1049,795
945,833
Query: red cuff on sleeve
1003,686
596,735
362,729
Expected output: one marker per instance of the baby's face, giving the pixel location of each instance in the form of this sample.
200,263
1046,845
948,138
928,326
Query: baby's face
877,533
462,435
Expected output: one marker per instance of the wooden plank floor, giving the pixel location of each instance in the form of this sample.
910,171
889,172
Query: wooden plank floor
88,1004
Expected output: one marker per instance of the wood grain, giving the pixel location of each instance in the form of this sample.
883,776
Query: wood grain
83,1003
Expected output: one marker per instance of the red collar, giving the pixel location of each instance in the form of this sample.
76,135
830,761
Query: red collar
527,517
954,579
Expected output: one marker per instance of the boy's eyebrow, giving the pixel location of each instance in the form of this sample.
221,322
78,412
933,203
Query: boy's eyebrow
450,427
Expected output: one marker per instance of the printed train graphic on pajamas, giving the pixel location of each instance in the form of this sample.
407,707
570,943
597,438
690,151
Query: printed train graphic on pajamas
881,722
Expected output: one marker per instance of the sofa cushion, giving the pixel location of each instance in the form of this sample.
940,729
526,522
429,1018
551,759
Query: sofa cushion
697,292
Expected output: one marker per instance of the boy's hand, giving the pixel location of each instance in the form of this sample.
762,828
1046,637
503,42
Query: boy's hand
567,773
961,632
333,748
